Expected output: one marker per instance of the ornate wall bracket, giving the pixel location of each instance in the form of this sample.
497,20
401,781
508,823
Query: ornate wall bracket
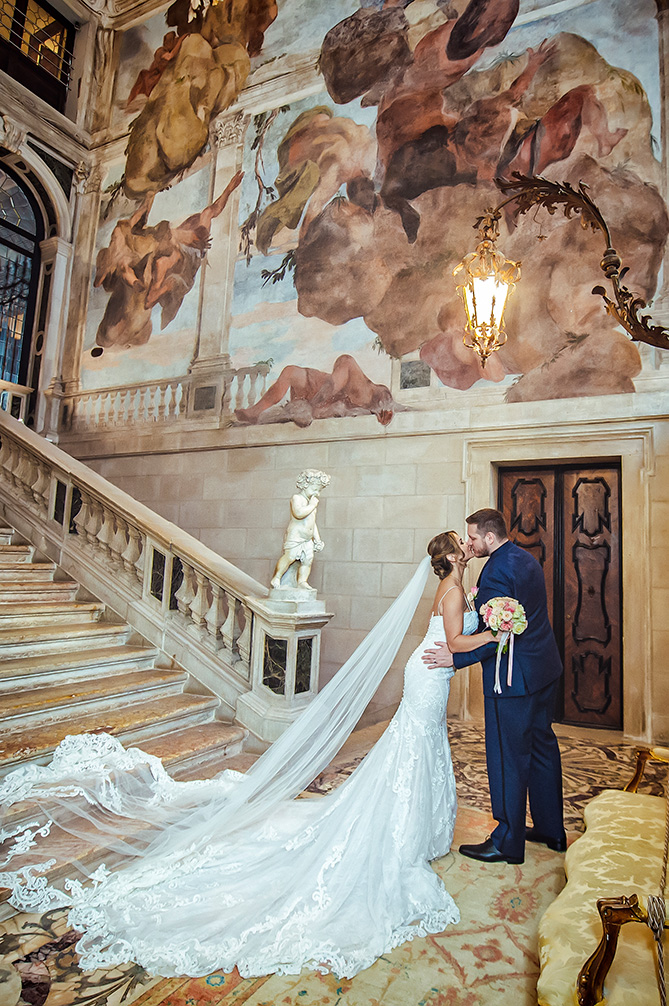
528,191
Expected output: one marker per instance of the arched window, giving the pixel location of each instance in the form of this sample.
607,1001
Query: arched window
21,230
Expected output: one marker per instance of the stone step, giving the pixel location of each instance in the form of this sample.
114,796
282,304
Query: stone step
68,665
36,591
130,724
17,553
196,752
49,613
200,749
27,572
19,641
7,534
48,703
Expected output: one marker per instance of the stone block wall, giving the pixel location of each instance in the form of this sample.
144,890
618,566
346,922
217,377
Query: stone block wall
391,490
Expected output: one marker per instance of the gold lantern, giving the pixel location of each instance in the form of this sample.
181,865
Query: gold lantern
486,278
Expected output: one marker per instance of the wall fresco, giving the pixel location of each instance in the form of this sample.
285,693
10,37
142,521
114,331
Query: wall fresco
357,202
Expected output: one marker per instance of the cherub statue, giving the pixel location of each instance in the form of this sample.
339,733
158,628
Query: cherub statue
302,539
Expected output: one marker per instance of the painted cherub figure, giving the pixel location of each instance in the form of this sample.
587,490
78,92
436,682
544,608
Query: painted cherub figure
302,539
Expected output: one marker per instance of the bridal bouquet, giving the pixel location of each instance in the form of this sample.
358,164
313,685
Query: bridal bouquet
506,616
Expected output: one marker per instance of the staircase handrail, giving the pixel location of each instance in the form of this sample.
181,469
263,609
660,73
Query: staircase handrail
159,528
259,655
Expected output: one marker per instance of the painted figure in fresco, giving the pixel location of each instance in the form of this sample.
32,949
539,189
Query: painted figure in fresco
302,538
147,79
148,265
493,138
318,154
313,394
196,73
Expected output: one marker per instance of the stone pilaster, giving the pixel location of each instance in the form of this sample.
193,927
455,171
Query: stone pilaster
210,357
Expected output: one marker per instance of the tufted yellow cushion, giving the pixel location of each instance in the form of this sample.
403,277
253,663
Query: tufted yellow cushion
620,853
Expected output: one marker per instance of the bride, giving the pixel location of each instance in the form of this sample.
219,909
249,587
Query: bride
235,871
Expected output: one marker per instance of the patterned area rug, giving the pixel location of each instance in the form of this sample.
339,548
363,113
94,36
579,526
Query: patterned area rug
488,959
587,769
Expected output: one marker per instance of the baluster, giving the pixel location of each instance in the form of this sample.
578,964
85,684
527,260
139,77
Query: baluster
214,616
105,535
41,487
177,398
253,377
106,410
119,541
24,474
94,522
228,627
239,397
133,551
132,405
146,405
114,405
14,463
122,408
244,641
200,603
84,515
186,592
162,403
5,456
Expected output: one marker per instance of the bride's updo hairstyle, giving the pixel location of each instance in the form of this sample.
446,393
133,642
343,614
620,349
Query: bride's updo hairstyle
442,545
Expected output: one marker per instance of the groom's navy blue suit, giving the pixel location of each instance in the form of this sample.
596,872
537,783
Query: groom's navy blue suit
522,753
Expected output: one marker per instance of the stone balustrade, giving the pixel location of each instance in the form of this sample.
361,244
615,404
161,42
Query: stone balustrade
199,608
244,386
167,402
139,404
14,398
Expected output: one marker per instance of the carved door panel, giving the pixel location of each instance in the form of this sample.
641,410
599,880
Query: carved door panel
528,504
592,596
568,517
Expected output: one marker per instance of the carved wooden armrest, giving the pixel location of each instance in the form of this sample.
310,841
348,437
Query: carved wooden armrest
614,913
643,756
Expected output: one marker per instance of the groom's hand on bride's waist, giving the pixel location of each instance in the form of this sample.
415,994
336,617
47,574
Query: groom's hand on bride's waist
439,656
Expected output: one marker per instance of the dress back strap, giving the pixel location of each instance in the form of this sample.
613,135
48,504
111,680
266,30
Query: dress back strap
441,600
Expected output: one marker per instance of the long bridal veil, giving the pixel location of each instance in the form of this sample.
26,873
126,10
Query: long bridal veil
99,801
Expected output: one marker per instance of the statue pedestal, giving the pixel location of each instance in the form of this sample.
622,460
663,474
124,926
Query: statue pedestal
285,660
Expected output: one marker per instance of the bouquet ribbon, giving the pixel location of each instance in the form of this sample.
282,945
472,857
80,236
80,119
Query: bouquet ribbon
503,639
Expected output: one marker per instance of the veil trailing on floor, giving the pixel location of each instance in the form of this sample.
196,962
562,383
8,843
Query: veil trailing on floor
97,801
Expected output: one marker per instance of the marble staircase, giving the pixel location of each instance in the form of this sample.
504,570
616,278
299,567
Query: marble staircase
69,665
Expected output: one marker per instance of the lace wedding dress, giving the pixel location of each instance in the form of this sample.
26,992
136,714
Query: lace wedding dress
325,883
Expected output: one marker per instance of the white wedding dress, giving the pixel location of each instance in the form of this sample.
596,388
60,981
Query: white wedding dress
327,883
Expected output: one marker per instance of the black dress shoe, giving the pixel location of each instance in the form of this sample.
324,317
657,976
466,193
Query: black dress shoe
486,852
556,844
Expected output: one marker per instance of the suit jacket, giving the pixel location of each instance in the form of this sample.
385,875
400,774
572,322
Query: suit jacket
512,572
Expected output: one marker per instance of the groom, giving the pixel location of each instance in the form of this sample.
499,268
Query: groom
522,752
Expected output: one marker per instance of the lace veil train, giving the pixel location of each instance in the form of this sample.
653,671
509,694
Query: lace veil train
122,801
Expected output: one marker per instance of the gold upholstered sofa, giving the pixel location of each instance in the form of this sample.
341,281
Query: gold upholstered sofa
611,871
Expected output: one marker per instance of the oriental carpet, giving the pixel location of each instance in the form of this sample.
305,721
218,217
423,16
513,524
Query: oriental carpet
489,958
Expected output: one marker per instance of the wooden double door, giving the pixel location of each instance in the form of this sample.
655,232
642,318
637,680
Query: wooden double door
568,518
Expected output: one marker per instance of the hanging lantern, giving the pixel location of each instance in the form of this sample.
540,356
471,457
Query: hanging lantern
486,278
